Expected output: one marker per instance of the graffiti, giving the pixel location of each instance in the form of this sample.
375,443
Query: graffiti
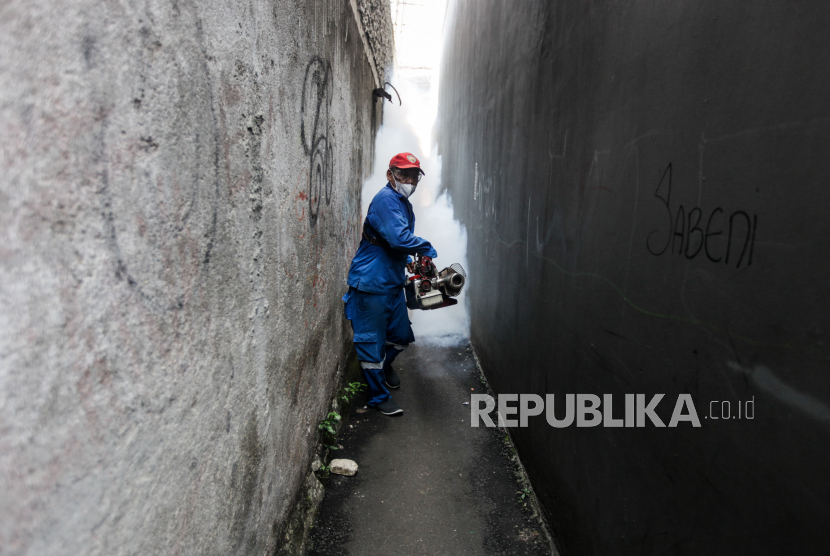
315,134
684,234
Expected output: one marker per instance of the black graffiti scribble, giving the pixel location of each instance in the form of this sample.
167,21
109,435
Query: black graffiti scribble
666,198
314,130
685,236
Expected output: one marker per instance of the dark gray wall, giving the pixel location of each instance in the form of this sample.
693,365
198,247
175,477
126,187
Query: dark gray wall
573,133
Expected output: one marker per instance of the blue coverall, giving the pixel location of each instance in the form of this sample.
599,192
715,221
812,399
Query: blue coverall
375,302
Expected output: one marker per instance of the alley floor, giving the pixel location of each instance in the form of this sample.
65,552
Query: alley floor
428,483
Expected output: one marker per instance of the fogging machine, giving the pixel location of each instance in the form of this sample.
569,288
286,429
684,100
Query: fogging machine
427,288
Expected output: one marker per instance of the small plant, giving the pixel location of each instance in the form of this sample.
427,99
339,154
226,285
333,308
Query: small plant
350,391
523,494
324,471
328,430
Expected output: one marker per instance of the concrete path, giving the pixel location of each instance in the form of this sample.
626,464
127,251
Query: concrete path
428,483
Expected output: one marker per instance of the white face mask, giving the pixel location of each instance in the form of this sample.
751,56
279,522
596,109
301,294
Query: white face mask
406,189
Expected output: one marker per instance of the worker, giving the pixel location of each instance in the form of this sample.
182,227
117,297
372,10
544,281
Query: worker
375,302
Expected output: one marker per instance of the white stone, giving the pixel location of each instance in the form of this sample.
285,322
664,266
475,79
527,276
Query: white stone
343,467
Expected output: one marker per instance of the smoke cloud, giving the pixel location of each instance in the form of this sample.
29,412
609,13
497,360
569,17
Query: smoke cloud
408,128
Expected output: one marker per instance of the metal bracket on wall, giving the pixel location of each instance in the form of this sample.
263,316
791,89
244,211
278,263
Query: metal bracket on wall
381,93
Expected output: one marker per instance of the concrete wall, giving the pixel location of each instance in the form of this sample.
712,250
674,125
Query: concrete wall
573,135
179,203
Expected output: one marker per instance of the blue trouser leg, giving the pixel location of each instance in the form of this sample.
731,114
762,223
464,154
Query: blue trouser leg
398,330
391,353
377,389
369,325
376,318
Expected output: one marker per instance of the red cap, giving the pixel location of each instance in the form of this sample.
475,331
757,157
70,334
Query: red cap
405,160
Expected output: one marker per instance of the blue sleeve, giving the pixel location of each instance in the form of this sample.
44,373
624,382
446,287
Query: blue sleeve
391,223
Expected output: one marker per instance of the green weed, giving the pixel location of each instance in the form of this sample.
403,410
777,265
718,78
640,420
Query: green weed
324,471
328,430
523,494
349,392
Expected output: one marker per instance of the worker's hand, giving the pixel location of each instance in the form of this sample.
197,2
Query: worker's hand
410,267
427,263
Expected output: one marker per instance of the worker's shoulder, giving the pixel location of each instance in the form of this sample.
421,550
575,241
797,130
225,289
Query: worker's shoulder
387,197
386,192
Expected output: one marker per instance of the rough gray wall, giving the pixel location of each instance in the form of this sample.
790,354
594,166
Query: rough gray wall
179,203
376,17
644,186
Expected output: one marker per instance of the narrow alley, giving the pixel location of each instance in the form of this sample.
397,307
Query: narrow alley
609,217
428,483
